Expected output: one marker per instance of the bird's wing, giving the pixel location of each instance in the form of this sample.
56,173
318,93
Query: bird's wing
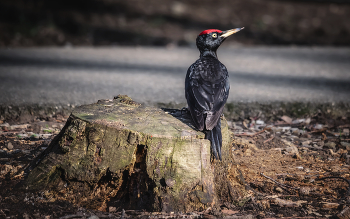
220,98
207,90
194,101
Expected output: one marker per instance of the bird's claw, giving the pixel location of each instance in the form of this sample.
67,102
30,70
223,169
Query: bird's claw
184,109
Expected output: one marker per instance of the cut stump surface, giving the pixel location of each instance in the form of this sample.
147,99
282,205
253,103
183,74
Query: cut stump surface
121,154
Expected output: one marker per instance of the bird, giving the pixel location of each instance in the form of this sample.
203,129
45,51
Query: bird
207,87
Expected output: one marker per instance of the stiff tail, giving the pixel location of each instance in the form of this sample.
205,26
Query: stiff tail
215,138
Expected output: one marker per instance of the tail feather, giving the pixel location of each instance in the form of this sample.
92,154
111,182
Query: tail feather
215,138
211,138
219,139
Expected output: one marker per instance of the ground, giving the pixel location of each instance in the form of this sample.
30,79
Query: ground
293,167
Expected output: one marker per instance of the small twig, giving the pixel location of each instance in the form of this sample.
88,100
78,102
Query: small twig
333,138
324,136
338,177
319,130
306,174
123,214
70,216
277,196
244,134
10,132
288,217
257,193
311,147
251,134
281,184
332,133
269,139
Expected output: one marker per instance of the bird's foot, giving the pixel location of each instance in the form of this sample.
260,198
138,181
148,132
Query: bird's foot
184,110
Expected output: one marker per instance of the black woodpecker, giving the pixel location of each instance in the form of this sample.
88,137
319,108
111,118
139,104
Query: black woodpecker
207,87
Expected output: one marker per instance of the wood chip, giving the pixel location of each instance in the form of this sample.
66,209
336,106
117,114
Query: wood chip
229,212
329,205
287,119
287,203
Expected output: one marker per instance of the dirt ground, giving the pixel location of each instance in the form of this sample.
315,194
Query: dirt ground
293,168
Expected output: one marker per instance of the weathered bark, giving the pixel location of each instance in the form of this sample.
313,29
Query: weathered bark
119,153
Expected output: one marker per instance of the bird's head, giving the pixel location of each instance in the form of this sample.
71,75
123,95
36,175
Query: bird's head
208,41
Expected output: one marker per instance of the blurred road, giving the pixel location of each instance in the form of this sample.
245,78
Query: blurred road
151,75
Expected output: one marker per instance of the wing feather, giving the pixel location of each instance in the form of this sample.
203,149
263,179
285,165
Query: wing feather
207,89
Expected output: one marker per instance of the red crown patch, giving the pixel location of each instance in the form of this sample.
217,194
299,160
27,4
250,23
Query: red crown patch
210,31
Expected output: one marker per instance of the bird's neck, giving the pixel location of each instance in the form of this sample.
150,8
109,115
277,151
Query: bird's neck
206,53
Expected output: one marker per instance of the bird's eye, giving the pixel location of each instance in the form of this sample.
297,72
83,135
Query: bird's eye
214,35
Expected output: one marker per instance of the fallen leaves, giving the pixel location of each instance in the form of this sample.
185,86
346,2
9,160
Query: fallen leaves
229,212
287,203
287,119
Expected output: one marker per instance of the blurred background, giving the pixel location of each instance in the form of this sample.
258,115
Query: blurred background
73,52
292,58
28,23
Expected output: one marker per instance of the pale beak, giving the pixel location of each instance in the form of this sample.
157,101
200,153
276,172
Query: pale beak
230,32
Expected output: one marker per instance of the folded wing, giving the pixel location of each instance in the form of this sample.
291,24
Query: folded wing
207,89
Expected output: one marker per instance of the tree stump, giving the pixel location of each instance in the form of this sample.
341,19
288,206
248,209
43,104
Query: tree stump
117,153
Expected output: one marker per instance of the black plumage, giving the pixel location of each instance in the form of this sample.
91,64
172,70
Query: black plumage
207,87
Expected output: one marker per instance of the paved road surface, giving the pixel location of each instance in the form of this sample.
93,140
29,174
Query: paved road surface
151,75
